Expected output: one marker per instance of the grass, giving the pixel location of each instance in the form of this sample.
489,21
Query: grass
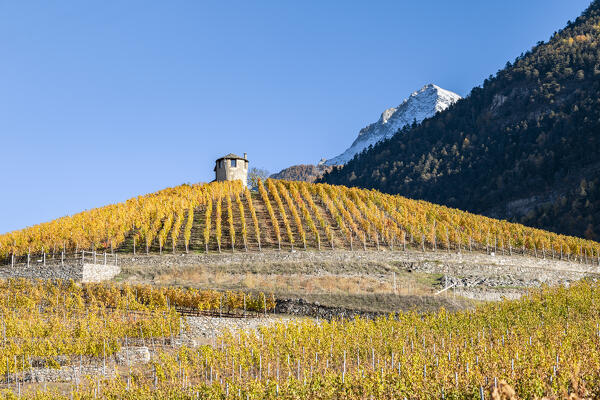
361,284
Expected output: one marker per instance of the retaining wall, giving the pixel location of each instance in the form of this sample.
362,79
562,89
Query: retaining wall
99,272
86,272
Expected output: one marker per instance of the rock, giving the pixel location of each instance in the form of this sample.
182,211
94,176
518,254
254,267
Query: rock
315,310
133,355
65,374
211,327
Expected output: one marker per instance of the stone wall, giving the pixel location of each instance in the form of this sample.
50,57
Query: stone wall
78,272
37,271
300,307
133,355
67,373
99,272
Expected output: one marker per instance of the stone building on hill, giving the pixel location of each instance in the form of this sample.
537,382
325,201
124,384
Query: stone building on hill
231,168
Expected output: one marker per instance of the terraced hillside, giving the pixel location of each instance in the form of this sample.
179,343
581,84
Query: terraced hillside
227,217
109,341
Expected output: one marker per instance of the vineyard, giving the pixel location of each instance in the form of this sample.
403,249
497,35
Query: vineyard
282,215
545,344
41,320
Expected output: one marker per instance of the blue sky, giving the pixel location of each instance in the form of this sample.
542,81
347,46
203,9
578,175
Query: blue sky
102,101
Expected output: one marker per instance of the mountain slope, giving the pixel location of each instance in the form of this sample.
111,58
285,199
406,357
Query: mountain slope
421,104
524,146
302,172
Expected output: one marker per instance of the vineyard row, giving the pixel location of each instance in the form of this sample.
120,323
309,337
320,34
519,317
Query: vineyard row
225,216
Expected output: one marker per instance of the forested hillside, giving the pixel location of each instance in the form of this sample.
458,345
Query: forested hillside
523,146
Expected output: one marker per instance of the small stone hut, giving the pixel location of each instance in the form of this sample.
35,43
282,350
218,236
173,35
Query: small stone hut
231,168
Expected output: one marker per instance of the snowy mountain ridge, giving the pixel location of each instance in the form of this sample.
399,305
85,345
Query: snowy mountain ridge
421,104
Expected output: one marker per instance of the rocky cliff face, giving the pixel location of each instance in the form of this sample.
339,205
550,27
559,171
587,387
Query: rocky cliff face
303,172
421,104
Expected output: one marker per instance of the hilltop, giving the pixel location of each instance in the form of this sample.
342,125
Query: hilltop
224,216
522,146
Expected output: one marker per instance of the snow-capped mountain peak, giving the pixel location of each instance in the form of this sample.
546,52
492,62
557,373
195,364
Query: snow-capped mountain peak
421,104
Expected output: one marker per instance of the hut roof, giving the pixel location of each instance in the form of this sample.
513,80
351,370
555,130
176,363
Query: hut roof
231,156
